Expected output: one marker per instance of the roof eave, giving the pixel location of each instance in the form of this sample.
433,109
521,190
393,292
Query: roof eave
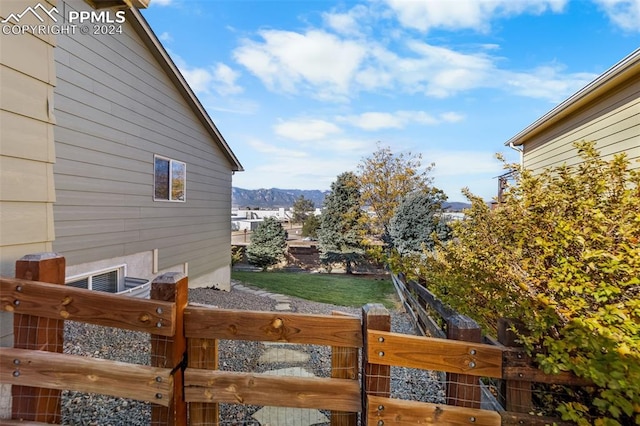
622,71
144,30
103,4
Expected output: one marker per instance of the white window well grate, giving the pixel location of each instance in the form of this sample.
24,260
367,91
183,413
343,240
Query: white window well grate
105,280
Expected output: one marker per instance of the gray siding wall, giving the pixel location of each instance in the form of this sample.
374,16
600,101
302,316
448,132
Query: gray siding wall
613,122
115,109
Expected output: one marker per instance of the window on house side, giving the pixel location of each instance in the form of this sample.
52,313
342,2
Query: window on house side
170,178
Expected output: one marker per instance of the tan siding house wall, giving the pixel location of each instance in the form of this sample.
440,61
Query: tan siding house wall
606,111
27,77
613,122
116,108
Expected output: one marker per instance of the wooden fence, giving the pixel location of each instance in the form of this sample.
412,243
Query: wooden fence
183,382
515,395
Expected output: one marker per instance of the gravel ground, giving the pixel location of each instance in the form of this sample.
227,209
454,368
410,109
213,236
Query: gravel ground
90,409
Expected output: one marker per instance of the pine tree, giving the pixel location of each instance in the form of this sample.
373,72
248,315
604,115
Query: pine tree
415,220
302,208
340,234
311,226
268,244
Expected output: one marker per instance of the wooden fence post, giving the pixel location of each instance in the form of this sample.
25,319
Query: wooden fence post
463,390
36,333
376,379
517,393
344,365
169,352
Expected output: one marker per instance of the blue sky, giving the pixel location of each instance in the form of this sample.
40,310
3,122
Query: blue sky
303,90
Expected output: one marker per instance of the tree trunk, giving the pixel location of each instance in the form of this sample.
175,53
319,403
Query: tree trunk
348,267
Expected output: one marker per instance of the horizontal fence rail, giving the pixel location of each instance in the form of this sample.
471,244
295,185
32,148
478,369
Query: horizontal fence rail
399,412
61,302
517,366
277,391
415,300
70,372
428,353
328,330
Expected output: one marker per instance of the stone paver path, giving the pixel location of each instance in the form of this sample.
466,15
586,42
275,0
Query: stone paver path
279,354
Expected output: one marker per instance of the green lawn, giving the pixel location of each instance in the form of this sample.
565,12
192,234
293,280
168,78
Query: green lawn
341,290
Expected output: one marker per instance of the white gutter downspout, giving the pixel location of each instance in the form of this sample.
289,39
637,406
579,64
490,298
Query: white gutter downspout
521,151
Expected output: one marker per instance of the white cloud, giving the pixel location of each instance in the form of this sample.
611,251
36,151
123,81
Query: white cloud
623,13
265,148
337,68
317,61
219,78
546,82
198,78
306,129
473,14
232,105
311,168
441,72
349,148
379,70
226,78
372,121
451,117
376,121
165,36
329,68
349,23
455,170
458,163
300,173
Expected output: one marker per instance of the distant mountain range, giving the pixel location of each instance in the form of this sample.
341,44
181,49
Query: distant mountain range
276,198
456,206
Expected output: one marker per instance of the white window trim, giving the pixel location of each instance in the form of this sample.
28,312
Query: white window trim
171,161
121,269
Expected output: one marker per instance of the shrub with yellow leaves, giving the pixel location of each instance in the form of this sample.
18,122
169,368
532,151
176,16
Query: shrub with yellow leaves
562,254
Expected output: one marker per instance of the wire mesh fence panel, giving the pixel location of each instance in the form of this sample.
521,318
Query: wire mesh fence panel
418,385
81,408
35,333
274,359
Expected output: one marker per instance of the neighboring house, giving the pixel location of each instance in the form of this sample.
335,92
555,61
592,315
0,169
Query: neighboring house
107,157
606,111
